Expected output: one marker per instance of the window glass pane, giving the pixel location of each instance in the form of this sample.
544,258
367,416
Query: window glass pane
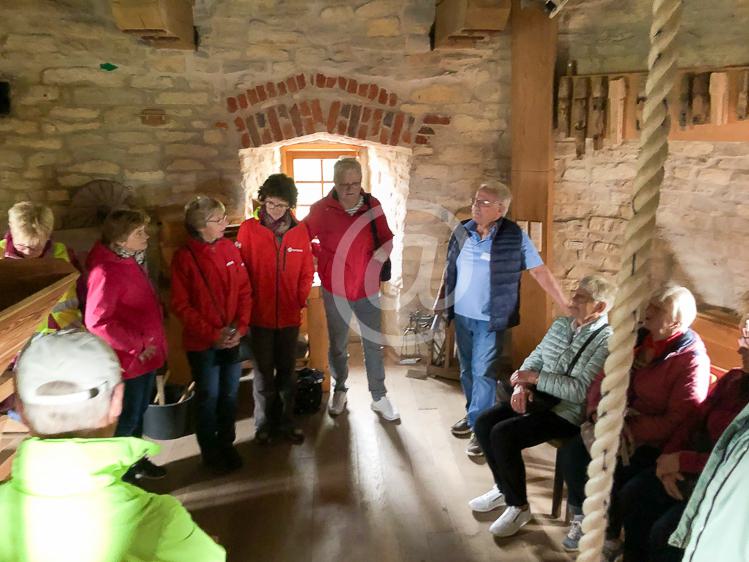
327,187
308,193
307,169
327,168
301,211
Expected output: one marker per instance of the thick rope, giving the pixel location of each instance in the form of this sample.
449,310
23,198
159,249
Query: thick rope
633,278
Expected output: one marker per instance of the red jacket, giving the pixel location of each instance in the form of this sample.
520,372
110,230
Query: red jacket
665,392
344,257
280,272
725,401
206,306
122,308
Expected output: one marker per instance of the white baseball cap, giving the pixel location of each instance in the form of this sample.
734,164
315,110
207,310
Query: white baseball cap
73,356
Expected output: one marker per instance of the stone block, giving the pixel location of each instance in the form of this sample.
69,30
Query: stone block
182,98
468,123
160,61
61,128
10,159
73,180
85,140
73,113
618,172
96,167
383,27
58,195
18,126
183,165
337,14
715,176
175,136
46,158
214,137
82,75
109,97
190,151
130,137
267,52
145,176
692,149
31,43
440,94
150,82
38,94
735,163
143,149
37,143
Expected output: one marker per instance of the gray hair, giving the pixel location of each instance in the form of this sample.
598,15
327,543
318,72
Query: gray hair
59,419
198,210
344,165
499,190
600,289
679,303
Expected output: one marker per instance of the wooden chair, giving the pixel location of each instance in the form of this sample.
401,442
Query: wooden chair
557,494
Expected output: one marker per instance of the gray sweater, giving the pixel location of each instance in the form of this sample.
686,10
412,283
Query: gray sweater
552,358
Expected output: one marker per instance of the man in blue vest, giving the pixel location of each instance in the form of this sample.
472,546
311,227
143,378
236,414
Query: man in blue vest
480,290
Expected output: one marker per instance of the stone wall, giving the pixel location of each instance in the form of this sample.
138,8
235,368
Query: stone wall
702,220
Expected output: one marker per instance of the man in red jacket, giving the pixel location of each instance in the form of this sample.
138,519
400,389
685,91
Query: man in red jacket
354,243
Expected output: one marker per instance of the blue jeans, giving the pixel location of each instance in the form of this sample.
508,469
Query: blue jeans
479,351
134,404
216,388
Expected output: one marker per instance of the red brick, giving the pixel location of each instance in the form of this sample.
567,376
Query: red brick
353,123
393,100
362,90
252,95
306,111
383,98
231,104
341,129
366,114
376,120
341,83
362,134
242,99
261,94
407,138
317,111
239,123
296,120
281,88
421,139
320,80
221,125
397,128
266,137
330,81
424,130
433,119
301,81
274,125
288,131
246,141
335,107
252,129
291,83
271,89
352,85
373,89
384,136
309,126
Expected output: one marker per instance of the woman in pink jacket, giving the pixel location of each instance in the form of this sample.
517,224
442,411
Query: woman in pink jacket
123,309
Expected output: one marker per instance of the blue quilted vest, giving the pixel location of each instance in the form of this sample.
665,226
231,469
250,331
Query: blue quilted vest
506,267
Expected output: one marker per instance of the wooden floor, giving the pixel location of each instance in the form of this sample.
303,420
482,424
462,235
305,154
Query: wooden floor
362,490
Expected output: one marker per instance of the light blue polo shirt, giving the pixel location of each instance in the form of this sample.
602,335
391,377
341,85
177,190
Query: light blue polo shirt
472,293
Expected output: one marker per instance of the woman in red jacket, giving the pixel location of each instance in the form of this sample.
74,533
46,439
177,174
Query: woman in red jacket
669,379
123,309
278,257
211,297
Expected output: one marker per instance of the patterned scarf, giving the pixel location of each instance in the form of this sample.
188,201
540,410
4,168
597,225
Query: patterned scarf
278,227
139,257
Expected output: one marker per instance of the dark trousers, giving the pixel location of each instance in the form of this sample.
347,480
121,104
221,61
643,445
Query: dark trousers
216,388
650,516
503,434
574,459
274,384
135,401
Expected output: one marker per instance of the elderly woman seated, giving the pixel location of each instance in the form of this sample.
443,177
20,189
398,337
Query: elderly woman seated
669,379
548,400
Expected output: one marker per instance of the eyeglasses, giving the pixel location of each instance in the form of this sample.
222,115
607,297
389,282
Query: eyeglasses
351,185
272,205
484,203
219,220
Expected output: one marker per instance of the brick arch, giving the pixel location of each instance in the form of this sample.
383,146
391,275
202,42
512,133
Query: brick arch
305,104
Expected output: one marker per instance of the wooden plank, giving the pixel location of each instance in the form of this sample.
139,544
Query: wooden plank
720,336
6,385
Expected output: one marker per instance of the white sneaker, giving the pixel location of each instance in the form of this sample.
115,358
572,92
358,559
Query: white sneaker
337,403
510,522
571,542
385,408
489,501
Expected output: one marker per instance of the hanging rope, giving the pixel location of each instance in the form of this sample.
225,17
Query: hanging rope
634,275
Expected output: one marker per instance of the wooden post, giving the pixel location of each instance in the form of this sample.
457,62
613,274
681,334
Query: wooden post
580,93
617,98
701,98
534,40
742,105
685,101
564,101
719,98
599,93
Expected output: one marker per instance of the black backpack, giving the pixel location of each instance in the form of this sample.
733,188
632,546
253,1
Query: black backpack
308,391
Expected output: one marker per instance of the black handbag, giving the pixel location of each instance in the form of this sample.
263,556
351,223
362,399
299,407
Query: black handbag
543,400
387,266
308,394
226,356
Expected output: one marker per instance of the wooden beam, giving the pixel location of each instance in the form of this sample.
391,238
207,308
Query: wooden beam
534,41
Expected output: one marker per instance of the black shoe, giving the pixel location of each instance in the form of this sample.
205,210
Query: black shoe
474,448
263,436
293,435
232,459
213,460
149,470
461,428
